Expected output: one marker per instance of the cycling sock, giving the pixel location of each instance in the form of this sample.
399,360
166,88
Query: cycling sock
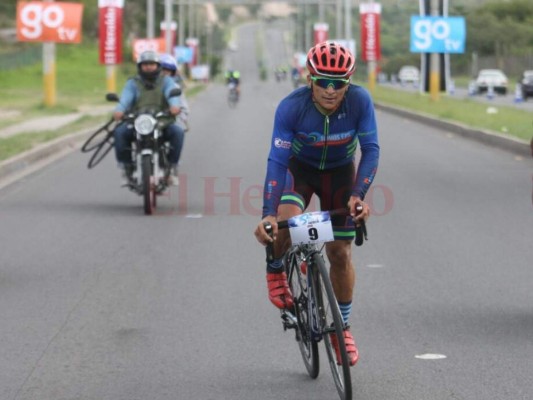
346,309
275,266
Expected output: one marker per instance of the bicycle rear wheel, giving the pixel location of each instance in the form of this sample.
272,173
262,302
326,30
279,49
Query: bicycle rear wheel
99,137
331,323
100,153
298,285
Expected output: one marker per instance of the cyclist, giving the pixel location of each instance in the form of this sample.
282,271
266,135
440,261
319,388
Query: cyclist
315,135
233,77
149,88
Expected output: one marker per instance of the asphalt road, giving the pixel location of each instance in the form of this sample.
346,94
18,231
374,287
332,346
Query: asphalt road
98,301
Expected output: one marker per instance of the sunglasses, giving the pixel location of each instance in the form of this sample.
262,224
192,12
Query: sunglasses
325,83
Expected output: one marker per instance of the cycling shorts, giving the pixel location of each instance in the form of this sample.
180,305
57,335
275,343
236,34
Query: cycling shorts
333,187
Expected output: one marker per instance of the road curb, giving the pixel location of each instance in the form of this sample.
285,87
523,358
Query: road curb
493,139
20,162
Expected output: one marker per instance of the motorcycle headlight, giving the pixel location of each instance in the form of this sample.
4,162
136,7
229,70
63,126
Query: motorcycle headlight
145,124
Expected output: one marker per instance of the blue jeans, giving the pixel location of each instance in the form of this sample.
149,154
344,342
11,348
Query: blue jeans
125,136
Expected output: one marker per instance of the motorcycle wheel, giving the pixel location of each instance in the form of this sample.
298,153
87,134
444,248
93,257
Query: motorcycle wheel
148,187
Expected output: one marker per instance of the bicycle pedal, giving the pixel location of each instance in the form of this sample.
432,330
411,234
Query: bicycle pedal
289,320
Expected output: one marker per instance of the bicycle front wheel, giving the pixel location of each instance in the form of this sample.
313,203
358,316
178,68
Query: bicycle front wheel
332,324
298,284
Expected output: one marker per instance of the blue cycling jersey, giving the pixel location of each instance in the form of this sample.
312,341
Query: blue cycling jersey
321,141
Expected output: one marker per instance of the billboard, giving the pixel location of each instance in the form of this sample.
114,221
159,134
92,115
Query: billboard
437,34
49,22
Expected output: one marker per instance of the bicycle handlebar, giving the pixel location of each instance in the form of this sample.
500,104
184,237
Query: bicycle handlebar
360,230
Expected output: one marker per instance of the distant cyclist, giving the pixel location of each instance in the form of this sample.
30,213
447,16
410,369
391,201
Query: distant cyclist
315,136
233,79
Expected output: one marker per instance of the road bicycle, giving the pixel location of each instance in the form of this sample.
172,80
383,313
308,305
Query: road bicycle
233,95
100,142
315,315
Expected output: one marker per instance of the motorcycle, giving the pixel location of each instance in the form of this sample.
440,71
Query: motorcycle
151,170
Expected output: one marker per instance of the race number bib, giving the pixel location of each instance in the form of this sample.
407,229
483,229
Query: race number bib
313,227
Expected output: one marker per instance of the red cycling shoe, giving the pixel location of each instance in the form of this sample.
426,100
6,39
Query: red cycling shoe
278,290
351,349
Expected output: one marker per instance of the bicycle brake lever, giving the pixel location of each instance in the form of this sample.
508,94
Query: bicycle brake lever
270,246
360,229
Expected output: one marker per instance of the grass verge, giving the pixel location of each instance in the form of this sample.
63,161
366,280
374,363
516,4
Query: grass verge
14,145
506,120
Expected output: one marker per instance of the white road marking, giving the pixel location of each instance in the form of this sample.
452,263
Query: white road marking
194,216
430,356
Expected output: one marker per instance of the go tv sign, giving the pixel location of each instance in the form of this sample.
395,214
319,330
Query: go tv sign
438,34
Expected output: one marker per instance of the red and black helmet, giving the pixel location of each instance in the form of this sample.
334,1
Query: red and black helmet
330,59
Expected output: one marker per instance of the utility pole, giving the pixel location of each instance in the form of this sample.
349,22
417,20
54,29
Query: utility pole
347,20
338,19
181,23
190,20
321,11
150,17
372,70
49,71
434,78
168,28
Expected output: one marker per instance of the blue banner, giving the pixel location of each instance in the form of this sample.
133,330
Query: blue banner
438,34
184,54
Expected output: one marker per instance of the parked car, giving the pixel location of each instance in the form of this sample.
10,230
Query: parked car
408,73
527,84
491,77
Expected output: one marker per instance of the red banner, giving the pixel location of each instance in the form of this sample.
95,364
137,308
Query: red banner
321,32
370,47
110,22
49,22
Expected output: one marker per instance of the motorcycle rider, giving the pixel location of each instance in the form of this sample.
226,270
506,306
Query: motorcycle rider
149,88
169,67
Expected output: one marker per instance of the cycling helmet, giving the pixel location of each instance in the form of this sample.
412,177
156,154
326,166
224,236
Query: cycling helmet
169,62
331,60
148,56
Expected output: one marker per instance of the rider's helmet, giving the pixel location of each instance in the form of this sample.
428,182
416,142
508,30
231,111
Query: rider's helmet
236,74
330,59
148,56
168,62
